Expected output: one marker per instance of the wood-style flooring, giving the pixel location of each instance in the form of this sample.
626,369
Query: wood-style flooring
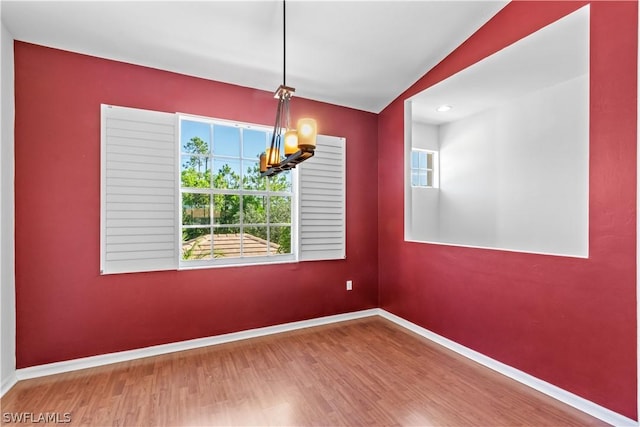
361,372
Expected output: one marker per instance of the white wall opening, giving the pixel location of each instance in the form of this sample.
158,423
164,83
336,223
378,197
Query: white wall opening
513,148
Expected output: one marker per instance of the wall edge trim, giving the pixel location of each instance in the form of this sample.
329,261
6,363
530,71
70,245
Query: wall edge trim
8,383
542,386
123,356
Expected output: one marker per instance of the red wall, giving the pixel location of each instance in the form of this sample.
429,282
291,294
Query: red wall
571,322
568,321
65,309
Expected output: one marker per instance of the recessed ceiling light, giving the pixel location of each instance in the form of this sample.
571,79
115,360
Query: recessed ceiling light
443,108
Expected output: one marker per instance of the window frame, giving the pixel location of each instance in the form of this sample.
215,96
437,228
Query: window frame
240,192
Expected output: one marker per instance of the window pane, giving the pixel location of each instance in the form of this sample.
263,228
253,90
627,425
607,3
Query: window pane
415,162
226,209
253,143
195,209
254,241
196,172
254,209
280,238
414,179
422,180
280,209
196,243
280,182
226,173
422,156
251,179
195,137
430,178
429,160
226,242
226,141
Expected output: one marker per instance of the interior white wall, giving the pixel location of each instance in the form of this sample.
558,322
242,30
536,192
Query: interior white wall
7,246
469,181
514,148
424,201
516,176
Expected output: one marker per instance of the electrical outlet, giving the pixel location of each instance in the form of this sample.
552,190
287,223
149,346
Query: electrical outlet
349,285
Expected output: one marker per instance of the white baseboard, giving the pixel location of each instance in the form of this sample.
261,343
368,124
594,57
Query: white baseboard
7,383
106,359
557,393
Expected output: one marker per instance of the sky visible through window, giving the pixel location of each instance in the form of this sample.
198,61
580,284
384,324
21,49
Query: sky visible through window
225,142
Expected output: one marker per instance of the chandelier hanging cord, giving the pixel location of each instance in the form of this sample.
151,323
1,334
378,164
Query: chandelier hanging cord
296,145
284,103
273,155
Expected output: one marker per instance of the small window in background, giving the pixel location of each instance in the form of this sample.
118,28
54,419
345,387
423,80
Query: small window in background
424,168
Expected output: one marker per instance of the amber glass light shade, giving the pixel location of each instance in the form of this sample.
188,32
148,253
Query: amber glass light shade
307,133
263,162
290,142
273,157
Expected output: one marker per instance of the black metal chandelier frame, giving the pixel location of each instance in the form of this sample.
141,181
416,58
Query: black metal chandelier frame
271,161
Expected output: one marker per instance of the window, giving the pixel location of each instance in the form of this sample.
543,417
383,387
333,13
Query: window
424,168
180,191
227,210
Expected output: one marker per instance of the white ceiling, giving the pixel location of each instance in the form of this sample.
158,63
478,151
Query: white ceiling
359,54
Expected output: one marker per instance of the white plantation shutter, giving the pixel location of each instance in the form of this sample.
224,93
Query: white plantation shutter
138,190
322,201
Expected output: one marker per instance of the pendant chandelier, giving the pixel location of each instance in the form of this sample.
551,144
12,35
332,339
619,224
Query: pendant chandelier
288,147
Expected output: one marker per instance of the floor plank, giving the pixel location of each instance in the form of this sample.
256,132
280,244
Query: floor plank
367,372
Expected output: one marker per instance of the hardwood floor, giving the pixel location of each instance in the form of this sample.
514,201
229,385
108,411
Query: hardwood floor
362,372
